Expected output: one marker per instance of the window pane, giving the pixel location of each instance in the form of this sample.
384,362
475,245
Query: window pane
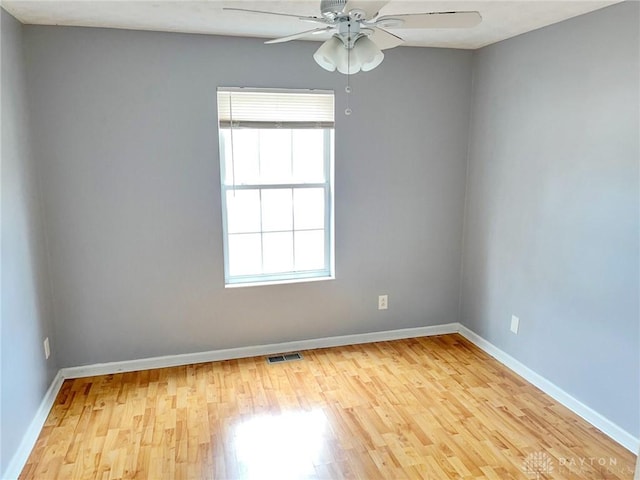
275,155
309,251
243,211
242,161
245,254
278,252
225,151
308,155
308,208
277,213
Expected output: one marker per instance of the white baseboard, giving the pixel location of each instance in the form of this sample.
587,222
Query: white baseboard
618,434
29,439
594,418
254,351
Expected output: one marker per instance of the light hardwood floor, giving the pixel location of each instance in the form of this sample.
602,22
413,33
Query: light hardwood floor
435,407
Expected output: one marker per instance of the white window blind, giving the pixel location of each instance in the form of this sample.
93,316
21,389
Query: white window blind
275,108
276,165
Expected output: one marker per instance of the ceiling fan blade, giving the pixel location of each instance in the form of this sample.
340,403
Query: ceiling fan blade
306,19
384,39
298,35
370,7
431,20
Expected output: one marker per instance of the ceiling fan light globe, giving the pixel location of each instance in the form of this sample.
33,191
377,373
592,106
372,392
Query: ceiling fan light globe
330,67
377,60
348,62
350,70
368,55
328,55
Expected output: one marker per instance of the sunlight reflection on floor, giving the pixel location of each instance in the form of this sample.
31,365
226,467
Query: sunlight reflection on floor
282,446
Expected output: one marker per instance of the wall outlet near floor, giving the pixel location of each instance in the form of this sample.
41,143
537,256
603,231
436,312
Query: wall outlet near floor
515,324
47,350
383,302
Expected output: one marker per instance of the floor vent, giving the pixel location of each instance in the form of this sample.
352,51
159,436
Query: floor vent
287,357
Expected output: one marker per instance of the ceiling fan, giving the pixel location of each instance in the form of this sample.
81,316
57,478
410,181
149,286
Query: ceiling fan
360,33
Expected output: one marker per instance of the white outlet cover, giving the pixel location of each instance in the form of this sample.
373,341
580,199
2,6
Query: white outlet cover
383,302
515,324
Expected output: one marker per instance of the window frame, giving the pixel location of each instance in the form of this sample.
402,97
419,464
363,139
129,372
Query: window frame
293,276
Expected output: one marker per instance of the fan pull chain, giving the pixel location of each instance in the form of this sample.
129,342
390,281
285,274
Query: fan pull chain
347,89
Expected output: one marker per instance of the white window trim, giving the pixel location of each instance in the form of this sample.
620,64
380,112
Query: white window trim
327,273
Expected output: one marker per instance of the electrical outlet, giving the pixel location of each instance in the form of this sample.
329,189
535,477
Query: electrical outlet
515,324
47,350
383,302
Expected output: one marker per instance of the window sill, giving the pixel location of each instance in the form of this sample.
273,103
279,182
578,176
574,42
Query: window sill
279,282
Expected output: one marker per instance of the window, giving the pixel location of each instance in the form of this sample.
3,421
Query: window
276,170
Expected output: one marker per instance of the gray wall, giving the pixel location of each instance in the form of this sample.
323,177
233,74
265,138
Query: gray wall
25,312
551,231
123,134
126,138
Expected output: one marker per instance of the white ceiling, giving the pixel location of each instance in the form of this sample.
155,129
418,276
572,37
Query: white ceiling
501,19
